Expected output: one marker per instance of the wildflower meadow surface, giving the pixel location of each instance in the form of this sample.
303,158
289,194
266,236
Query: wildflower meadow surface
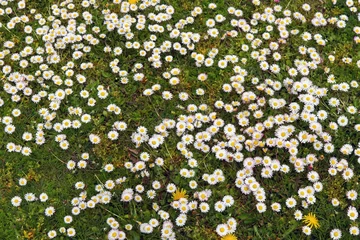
159,119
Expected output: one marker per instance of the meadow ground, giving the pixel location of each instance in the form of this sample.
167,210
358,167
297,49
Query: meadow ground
159,119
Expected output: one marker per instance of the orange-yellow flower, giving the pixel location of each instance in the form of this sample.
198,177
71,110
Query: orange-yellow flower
229,237
179,194
311,221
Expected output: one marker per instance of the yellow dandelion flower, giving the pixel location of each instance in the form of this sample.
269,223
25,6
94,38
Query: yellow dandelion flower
311,221
179,194
229,237
133,1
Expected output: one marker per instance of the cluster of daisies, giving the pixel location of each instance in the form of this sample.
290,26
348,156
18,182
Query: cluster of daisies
252,117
